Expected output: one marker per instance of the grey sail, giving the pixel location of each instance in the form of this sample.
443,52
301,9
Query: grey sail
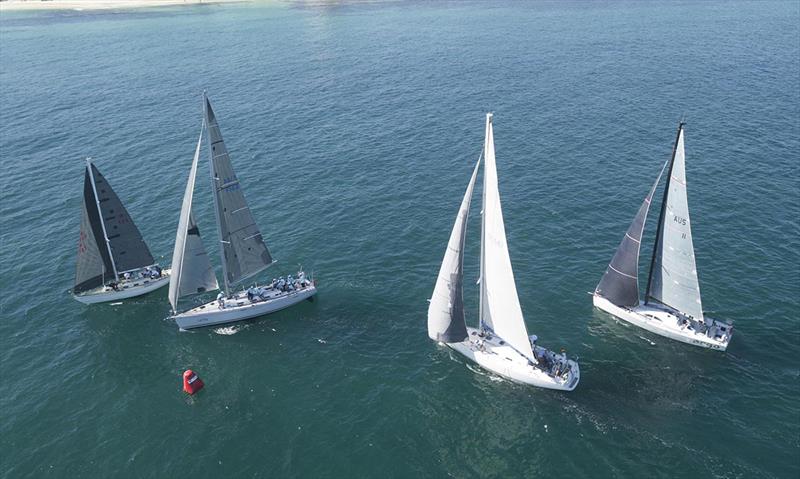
243,250
191,268
620,283
446,310
93,263
127,246
674,280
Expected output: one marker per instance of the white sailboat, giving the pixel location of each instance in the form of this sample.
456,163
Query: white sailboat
671,306
243,252
113,262
501,343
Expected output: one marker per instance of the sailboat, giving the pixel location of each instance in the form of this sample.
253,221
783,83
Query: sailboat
672,305
114,262
243,252
500,343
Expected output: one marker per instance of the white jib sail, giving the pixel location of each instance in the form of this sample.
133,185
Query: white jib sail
191,269
675,273
500,309
446,309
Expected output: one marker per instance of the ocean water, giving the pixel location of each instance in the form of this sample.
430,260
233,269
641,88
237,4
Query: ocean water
354,128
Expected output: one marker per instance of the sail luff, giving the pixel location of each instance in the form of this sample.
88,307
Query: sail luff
446,321
481,291
187,239
102,221
661,214
502,312
206,107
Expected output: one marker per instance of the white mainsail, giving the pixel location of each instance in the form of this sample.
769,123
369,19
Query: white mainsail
500,308
446,310
191,268
674,274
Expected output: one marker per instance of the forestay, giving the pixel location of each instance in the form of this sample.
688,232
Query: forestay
446,321
620,283
500,308
243,250
674,281
191,268
128,248
93,262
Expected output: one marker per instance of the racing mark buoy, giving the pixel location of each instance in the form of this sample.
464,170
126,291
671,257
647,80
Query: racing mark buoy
191,382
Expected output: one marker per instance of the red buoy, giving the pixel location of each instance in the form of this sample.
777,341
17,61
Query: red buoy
191,382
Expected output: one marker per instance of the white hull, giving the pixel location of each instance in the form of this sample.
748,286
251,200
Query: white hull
496,356
665,323
240,308
126,289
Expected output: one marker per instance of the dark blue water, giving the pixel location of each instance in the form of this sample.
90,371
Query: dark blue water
354,128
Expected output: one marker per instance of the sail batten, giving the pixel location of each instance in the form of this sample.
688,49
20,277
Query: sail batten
446,322
191,268
500,308
674,281
243,251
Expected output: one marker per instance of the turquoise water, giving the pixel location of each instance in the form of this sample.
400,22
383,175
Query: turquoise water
354,128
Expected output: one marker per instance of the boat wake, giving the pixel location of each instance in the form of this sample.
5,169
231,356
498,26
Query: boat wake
227,331
652,343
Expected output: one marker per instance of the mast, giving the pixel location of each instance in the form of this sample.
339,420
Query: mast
102,221
661,214
481,290
214,195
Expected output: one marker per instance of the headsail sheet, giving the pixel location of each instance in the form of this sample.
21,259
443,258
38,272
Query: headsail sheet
243,248
674,281
500,308
620,283
446,310
93,263
191,268
127,245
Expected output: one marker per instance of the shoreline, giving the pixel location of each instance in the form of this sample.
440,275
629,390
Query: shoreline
42,5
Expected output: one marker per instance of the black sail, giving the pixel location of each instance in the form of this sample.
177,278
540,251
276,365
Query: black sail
127,245
94,265
620,283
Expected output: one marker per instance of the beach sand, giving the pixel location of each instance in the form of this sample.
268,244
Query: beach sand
17,5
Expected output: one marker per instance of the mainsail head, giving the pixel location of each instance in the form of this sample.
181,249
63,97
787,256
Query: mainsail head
620,283
243,250
500,308
674,280
446,310
191,269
